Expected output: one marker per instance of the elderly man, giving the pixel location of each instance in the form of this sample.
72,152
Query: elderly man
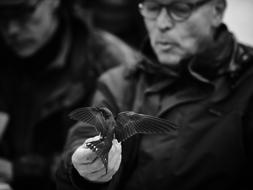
50,60
196,75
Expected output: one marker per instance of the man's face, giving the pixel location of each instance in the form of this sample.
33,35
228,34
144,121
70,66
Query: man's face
173,40
26,34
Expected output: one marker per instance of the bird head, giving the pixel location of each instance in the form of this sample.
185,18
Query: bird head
106,112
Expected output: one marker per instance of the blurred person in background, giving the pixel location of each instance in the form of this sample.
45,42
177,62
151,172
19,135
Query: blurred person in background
120,17
195,74
50,60
4,186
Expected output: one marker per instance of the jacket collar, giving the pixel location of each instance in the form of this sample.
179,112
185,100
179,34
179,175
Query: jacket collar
229,68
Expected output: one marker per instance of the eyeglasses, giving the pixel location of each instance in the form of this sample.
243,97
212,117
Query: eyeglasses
178,11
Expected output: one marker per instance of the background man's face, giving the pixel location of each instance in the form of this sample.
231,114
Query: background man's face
173,41
25,36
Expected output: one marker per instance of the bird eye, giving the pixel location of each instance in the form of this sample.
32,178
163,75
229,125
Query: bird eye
104,114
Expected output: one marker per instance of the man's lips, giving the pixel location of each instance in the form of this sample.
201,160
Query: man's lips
164,45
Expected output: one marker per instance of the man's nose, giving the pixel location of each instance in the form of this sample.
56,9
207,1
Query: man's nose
164,21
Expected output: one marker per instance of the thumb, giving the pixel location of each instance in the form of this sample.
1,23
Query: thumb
83,155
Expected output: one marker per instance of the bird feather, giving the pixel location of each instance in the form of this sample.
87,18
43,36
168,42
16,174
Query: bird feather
130,123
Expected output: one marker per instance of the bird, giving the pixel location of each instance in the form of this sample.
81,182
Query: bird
120,126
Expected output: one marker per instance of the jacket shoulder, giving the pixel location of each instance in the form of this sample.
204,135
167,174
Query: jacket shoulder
118,77
116,48
104,50
242,63
241,76
244,55
118,85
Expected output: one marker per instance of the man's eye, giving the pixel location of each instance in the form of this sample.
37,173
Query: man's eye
180,9
152,7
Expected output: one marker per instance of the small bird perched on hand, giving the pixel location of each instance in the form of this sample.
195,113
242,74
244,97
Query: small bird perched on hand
121,127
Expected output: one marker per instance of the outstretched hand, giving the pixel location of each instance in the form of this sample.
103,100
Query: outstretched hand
91,167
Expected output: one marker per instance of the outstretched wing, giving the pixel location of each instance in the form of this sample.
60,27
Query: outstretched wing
90,115
130,123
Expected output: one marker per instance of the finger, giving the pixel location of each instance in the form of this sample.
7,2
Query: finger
97,165
114,165
96,175
114,154
105,178
97,172
118,161
117,164
91,172
115,149
83,155
117,145
87,170
92,139
111,173
114,159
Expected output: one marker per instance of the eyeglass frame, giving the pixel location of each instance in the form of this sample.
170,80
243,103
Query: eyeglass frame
192,7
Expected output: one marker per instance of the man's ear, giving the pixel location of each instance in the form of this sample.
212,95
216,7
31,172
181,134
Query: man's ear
219,7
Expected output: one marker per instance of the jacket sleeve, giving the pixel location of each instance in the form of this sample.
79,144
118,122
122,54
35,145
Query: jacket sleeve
67,178
66,175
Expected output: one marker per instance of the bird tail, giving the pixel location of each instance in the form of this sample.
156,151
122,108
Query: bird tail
101,148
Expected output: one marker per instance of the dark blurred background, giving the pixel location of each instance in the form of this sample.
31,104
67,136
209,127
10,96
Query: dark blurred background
120,17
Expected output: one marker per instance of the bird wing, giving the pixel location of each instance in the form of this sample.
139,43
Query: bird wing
130,123
90,115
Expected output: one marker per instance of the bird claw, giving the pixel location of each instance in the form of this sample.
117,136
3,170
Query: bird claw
93,145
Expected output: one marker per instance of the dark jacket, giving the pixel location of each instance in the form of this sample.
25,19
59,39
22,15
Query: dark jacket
38,93
213,146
